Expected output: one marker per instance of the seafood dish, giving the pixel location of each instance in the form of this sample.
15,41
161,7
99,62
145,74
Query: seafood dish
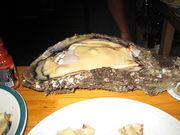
85,130
95,61
5,123
130,129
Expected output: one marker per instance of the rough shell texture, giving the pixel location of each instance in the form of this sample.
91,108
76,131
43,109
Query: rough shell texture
160,74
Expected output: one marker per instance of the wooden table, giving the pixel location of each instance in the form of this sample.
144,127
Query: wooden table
40,106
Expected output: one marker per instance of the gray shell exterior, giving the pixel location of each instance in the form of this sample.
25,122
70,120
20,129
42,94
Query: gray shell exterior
160,74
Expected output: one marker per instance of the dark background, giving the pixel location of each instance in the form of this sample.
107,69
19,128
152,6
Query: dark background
29,27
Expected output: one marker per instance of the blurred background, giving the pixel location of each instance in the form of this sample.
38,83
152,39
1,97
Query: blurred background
29,27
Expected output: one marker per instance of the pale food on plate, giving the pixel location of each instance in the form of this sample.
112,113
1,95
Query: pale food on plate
85,130
132,129
5,123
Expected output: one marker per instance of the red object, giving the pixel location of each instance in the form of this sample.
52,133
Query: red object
8,74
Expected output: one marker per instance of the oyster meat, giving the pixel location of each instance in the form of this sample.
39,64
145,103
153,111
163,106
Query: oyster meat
5,123
95,61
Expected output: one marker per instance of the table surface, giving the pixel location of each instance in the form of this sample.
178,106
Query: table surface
40,106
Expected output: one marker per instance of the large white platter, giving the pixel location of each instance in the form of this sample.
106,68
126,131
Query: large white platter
13,103
107,115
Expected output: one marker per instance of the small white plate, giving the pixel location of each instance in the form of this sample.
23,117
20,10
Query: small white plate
12,103
106,116
174,93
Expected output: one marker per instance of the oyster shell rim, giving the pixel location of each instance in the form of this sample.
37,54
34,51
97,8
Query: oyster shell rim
28,75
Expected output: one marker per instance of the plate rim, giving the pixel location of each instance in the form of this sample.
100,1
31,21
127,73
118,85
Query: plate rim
173,93
22,106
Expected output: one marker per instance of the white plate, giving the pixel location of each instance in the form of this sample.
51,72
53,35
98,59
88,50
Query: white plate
174,93
107,115
12,102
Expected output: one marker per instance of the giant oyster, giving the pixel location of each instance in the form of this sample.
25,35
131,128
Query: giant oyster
95,61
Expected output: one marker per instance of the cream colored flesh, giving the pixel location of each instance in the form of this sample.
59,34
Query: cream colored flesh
90,54
87,130
4,122
132,129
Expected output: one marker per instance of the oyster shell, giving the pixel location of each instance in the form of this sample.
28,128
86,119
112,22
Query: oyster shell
118,66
